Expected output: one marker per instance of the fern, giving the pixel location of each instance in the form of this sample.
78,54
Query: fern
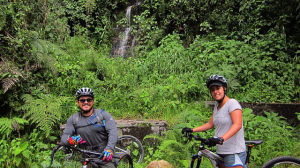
9,74
7,125
42,51
45,111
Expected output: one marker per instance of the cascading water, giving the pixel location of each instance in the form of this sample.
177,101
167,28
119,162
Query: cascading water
120,51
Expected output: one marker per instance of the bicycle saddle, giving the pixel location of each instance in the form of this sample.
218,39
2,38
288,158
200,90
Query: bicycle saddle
255,142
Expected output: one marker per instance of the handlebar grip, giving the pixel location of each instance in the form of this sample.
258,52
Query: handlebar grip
190,136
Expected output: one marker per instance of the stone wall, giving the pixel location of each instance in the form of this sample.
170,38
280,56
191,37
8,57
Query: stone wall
287,110
141,128
137,128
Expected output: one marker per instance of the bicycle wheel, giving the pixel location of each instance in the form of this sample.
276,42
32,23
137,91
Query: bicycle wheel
63,157
125,161
283,162
132,146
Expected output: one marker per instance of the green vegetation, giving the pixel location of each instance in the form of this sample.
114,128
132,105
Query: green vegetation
279,139
49,49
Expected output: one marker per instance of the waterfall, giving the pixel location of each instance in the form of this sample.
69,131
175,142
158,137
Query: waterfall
121,49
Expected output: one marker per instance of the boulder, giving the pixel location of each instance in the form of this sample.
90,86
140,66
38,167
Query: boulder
159,164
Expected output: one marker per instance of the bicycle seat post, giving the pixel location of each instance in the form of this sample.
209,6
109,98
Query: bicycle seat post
249,147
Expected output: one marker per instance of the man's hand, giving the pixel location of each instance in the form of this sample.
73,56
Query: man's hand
107,155
186,130
75,140
215,140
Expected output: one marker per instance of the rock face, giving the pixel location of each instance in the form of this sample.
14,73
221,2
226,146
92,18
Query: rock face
159,164
141,128
137,128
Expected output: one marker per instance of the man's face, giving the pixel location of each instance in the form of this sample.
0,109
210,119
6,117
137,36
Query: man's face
85,103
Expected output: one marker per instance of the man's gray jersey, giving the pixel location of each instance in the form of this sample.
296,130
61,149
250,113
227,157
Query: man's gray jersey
98,130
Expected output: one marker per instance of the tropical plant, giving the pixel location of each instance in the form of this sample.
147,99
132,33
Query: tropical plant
51,48
45,111
10,75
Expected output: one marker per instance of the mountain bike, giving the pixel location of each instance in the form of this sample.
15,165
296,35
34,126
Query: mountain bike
215,159
283,162
127,146
89,158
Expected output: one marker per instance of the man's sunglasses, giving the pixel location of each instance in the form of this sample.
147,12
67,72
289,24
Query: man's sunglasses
83,100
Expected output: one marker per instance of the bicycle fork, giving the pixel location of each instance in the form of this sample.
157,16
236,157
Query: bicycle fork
213,158
194,157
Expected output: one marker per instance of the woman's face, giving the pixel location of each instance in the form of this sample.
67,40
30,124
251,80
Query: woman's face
217,92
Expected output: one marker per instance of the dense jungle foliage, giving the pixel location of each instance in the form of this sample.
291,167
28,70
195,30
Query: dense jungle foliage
51,48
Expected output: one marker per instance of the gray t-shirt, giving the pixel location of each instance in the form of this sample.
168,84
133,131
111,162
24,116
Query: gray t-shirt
222,123
98,130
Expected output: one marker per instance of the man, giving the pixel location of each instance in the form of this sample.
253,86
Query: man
91,128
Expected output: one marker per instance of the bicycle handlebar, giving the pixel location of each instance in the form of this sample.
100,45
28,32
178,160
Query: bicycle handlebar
190,136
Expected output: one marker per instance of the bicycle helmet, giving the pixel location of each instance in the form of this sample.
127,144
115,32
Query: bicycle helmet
216,80
84,92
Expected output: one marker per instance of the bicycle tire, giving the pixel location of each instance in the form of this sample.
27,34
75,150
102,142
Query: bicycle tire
125,161
60,157
283,161
132,146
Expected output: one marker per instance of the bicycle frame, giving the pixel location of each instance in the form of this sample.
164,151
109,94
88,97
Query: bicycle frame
215,159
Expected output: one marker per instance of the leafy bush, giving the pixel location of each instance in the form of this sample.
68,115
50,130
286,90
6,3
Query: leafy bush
7,125
279,138
249,68
28,151
49,49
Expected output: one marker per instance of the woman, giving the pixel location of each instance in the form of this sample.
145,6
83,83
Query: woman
228,123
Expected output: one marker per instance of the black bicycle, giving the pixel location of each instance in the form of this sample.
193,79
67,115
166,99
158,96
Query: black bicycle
127,146
88,158
214,159
283,162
